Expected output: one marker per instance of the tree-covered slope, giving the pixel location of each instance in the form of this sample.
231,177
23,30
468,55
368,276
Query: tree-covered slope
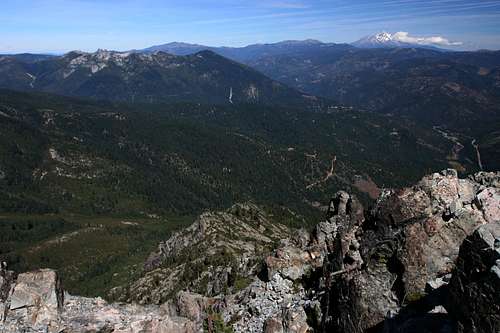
68,155
160,77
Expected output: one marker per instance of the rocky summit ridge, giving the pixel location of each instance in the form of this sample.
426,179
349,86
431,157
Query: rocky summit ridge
423,259
146,78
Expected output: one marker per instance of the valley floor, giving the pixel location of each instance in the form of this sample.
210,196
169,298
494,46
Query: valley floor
92,254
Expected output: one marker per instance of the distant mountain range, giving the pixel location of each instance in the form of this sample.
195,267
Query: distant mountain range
451,88
457,91
145,77
385,75
250,52
246,53
28,57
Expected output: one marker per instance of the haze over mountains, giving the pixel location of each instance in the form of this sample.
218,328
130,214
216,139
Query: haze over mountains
378,40
457,91
280,161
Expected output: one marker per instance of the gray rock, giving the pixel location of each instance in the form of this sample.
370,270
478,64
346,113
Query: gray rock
273,325
487,178
431,242
438,282
191,306
273,306
36,305
474,297
489,202
295,320
37,297
408,250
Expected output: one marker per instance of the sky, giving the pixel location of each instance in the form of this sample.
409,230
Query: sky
57,26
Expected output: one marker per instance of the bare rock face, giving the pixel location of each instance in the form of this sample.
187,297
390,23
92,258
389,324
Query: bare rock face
35,303
288,298
189,305
263,305
292,262
291,321
434,217
474,297
273,325
95,315
36,297
431,247
409,243
6,279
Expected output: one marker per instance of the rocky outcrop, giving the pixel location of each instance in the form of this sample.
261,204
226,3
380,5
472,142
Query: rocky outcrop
288,297
35,303
219,253
409,244
424,259
263,304
36,298
434,217
474,297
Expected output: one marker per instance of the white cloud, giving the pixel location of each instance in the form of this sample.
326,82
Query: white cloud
405,37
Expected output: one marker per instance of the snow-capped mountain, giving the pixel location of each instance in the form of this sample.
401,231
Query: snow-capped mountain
386,40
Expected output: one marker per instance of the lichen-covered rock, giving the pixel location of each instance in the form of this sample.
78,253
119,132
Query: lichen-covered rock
252,308
273,325
487,178
410,240
190,305
36,304
36,298
295,321
430,245
292,262
435,216
208,257
474,297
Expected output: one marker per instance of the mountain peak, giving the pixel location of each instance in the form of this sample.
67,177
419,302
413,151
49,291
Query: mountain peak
388,40
378,40
100,56
74,53
207,53
382,37
147,77
182,44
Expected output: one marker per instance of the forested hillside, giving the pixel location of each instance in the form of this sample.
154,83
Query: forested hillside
73,155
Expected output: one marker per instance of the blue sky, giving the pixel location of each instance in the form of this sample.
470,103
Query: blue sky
62,25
